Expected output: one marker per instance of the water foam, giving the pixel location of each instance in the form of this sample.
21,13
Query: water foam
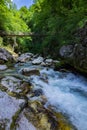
67,92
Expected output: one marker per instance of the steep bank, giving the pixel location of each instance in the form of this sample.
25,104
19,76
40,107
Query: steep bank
76,54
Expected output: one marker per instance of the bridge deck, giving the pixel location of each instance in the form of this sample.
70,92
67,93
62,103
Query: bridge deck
23,35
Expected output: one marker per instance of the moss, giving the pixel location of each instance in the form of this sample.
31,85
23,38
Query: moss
14,123
2,88
46,119
14,119
63,123
14,94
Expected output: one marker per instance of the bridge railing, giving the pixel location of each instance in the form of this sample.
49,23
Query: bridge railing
20,34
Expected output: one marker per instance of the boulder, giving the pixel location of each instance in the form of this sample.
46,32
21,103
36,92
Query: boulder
8,108
43,64
37,92
48,62
66,51
5,56
75,55
3,67
25,57
38,60
29,71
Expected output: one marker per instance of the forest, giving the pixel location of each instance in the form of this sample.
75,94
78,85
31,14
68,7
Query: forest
43,65
58,20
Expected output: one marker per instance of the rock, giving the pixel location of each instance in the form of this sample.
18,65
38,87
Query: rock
24,124
56,61
11,83
29,71
37,61
44,78
66,51
3,67
25,57
8,107
76,56
5,56
43,64
76,53
45,118
48,60
26,88
37,92
37,115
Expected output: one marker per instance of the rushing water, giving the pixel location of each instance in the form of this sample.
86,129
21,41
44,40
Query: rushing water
67,93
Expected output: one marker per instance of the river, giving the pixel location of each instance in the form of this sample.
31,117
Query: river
67,93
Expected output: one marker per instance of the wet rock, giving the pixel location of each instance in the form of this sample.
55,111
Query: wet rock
25,88
37,61
44,118
29,71
37,92
5,56
3,67
25,57
38,118
44,78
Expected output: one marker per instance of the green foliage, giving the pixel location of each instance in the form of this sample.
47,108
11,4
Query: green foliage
58,20
11,22
1,41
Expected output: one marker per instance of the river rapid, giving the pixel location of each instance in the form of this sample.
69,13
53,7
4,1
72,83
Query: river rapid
67,93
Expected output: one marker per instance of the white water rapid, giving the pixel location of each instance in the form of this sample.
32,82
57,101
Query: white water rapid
67,93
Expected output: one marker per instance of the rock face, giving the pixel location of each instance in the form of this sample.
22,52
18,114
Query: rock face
75,55
5,56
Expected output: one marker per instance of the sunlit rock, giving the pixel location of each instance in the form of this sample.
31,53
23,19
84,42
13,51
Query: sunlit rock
3,67
11,83
24,124
8,107
25,57
38,60
5,56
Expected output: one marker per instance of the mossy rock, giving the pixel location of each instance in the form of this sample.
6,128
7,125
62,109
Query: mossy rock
44,118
